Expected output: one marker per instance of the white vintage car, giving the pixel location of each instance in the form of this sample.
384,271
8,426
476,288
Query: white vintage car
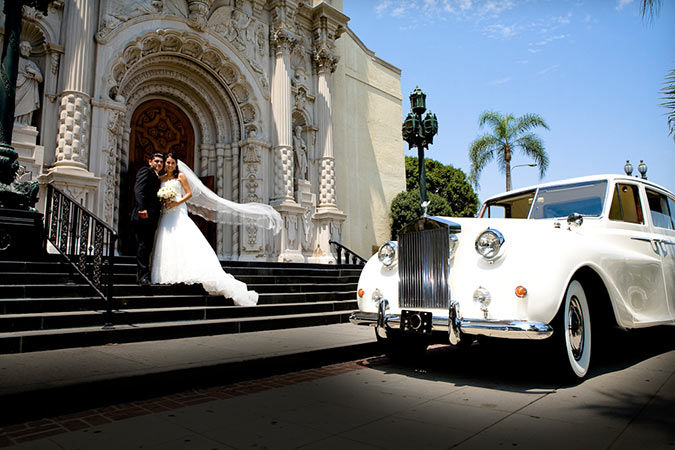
554,261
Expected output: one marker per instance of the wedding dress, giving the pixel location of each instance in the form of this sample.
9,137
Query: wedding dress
183,255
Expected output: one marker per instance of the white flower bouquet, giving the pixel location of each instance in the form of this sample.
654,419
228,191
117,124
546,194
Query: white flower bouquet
166,193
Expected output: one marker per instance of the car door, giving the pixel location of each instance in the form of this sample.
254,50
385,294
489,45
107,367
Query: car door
662,212
635,266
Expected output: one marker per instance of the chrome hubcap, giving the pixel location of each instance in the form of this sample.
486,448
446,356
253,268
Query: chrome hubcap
575,327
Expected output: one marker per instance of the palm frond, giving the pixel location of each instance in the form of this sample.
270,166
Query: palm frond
668,92
481,152
528,121
531,145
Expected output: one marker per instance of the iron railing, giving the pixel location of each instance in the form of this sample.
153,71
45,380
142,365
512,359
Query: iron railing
86,242
339,249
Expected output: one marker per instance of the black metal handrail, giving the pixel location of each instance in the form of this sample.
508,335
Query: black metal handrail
84,240
339,248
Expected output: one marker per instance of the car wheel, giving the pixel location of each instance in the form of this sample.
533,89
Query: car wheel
573,333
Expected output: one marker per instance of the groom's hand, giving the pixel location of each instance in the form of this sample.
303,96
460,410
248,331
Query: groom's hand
143,214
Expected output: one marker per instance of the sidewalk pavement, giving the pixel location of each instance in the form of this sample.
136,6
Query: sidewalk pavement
61,381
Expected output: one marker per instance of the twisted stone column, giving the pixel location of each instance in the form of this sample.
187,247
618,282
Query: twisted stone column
75,101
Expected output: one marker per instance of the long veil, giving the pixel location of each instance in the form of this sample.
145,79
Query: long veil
207,204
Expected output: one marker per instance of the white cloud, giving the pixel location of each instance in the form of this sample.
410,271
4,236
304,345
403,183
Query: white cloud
499,81
498,30
548,69
622,4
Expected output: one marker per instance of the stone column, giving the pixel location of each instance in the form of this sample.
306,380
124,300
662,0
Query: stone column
75,100
327,24
71,169
282,41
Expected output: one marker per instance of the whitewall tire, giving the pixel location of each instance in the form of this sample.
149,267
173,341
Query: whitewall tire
574,336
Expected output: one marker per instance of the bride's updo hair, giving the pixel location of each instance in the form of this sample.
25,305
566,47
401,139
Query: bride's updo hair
175,158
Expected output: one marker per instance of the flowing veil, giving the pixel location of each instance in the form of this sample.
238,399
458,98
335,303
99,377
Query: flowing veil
207,204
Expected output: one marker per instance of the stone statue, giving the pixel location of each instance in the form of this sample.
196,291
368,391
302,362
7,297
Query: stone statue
300,150
28,78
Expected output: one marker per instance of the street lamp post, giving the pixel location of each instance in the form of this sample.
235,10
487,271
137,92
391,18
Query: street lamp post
419,132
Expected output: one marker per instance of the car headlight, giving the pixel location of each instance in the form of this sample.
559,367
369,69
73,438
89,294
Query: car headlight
387,253
488,243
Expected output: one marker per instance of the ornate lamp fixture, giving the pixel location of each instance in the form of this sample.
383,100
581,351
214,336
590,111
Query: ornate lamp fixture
642,168
418,132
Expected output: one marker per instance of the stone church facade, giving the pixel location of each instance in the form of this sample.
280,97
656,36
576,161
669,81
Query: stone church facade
272,101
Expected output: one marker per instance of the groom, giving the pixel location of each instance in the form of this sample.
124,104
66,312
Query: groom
145,215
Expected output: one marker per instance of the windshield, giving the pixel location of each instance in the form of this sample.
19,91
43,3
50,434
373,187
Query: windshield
514,207
586,199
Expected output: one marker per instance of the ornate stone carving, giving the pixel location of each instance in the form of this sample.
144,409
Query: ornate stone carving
73,140
247,34
300,151
198,12
28,79
291,230
283,173
55,58
327,183
307,227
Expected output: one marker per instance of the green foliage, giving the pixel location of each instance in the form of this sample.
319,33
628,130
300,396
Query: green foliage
407,206
448,182
448,191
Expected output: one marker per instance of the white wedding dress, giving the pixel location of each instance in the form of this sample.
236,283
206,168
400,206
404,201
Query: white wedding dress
182,254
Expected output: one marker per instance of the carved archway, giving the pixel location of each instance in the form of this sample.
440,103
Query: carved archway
157,126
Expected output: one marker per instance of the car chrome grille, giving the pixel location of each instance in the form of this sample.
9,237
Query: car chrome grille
424,269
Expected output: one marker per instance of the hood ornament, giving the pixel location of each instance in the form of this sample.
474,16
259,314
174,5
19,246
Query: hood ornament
425,205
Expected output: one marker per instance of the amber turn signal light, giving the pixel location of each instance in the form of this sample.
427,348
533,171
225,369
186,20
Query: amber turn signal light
361,292
521,291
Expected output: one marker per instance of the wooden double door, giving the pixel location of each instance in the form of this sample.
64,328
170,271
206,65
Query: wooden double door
157,126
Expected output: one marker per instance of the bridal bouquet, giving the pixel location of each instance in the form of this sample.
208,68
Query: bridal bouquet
166,193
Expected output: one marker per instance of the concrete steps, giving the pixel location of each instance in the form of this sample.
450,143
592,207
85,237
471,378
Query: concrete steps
44,305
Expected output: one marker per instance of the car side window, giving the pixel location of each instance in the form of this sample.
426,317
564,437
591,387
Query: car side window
626,204
660,210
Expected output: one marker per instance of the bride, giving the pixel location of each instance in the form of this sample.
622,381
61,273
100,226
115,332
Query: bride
181,253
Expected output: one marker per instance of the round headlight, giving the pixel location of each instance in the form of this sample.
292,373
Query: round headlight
489,243
387,253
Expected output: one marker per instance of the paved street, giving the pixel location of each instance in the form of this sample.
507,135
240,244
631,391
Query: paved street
483,397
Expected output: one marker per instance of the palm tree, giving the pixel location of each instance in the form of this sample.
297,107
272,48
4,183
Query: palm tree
508,133
649,10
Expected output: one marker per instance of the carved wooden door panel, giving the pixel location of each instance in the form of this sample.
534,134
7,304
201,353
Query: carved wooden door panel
157,126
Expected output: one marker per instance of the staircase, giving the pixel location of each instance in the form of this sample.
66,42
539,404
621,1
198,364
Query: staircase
45,305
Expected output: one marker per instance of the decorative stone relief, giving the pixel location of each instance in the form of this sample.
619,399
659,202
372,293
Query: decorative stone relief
247,34
291,230
198,13
118,12
307,227
110,178
336,231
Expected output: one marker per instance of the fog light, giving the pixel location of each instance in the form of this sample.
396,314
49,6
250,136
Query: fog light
482,296
377,296
521,291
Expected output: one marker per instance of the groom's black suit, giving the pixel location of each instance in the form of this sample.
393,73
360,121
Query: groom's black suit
145,194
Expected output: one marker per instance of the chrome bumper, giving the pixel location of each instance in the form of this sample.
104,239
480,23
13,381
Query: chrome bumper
455,325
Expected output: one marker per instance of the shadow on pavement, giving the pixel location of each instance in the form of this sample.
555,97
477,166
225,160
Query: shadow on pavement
521,366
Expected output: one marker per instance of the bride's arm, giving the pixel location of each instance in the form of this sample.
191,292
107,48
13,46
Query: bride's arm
186,188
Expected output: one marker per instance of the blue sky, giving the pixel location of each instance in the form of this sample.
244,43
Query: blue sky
592,69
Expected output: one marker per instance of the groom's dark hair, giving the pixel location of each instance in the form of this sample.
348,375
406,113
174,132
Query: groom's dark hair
172,156
157,155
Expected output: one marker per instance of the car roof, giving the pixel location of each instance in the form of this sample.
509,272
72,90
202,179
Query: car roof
608,177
